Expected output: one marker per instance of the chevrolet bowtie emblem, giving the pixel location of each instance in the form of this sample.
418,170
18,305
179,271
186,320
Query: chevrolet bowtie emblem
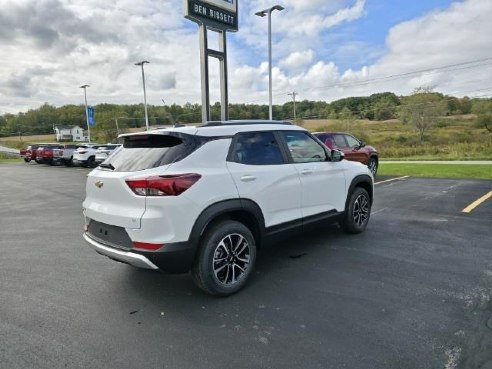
99,184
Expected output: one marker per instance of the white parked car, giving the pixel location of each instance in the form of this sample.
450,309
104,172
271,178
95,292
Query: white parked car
205,198
85,155
103,152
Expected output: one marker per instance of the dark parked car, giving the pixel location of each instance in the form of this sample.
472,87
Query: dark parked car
354,149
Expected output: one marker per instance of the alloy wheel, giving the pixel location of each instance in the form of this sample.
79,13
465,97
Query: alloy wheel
231,259
361,210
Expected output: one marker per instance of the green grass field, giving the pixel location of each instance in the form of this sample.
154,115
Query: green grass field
478,171
453,138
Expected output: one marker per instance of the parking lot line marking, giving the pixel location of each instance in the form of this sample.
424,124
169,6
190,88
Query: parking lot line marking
476,203
392,179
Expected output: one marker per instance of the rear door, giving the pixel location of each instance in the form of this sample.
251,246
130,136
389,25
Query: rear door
262,174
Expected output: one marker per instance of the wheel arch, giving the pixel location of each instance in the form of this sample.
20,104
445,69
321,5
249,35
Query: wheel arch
364,181
241,210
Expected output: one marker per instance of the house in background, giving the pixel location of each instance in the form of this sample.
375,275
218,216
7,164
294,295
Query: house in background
70,133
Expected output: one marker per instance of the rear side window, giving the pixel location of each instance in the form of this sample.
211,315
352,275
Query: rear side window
257,148
141,152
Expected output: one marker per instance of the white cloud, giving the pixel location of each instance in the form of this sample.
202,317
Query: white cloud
51,47
297,59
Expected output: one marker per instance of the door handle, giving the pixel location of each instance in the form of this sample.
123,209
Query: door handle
306,171
248,178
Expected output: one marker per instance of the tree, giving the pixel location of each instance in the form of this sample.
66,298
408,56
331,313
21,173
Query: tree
483,110
422,110
384,108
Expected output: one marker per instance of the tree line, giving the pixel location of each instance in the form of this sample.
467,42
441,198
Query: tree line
420,109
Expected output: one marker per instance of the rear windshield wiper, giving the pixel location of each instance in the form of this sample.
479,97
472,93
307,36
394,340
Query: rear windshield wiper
107,165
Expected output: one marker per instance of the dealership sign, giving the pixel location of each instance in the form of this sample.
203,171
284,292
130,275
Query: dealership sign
216,14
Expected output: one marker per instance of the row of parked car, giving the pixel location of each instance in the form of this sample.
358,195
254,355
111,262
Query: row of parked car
91,155
86,155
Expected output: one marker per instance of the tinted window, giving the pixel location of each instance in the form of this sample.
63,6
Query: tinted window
141,152
303,148
257,148
352,141
339,141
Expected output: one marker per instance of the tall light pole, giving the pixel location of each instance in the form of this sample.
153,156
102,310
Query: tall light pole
145,94
87,112
262,14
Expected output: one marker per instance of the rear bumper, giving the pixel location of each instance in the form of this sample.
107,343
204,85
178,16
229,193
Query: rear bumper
119,255
172,258
79,162
60,159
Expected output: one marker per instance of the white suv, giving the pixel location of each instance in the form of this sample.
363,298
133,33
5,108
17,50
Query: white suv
205,198
85,155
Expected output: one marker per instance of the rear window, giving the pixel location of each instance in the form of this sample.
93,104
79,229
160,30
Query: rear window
141,152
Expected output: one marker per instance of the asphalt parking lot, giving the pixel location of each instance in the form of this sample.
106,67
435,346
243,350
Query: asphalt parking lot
413,291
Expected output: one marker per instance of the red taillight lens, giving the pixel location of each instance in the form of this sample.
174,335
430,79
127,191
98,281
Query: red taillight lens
147,246
163,185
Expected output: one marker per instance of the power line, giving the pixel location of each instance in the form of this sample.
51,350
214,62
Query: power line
434,70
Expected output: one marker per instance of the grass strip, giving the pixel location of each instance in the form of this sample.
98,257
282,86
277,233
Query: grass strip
478,171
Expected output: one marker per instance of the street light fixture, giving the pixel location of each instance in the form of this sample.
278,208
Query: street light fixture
87,112
145,94
262,14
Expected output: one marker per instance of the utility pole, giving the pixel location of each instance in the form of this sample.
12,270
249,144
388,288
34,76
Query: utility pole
141,64
294,94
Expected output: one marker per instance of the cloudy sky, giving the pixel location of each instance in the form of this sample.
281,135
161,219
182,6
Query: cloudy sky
323,49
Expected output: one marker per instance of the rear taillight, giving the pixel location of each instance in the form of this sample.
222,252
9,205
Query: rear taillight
82,152
163,185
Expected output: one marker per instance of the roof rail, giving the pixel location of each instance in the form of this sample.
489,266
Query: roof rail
218,123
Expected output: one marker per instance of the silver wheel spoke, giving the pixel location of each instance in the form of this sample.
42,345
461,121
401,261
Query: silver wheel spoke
241,238
231,259
361,210
244,247
220,268
243,260
224,247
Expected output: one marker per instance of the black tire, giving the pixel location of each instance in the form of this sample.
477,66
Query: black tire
91,163
358,211
27,160
226,249
69,162
373,165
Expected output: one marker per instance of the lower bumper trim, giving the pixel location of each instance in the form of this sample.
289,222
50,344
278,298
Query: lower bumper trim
127,257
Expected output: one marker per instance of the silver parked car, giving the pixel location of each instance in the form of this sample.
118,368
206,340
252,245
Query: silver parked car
103,152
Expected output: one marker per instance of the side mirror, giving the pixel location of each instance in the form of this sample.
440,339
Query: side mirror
362,144
337,155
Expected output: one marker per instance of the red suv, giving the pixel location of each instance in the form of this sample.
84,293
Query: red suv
354,149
